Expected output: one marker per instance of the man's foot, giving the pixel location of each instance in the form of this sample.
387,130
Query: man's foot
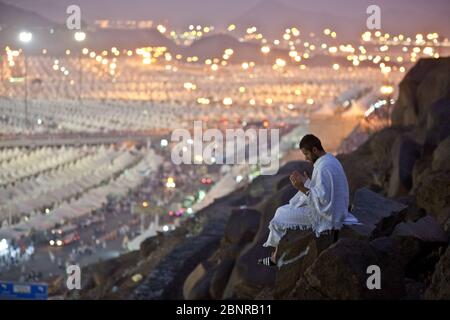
267,262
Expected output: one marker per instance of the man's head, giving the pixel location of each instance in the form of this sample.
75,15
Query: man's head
311,147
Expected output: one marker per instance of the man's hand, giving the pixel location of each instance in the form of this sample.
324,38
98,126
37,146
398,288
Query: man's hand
298,180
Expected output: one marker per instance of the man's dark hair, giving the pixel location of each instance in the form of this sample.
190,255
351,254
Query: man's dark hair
310,141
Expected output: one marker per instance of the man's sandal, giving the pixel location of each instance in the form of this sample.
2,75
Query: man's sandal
267,262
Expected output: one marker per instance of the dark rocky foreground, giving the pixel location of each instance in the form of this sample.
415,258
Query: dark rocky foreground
400,189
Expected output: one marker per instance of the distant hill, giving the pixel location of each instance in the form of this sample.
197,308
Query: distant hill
106,38
272,17
13,20
13,17
214,46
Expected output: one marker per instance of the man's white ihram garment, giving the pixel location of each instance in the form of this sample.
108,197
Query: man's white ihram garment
325,208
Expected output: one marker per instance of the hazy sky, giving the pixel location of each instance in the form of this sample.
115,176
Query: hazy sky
219,12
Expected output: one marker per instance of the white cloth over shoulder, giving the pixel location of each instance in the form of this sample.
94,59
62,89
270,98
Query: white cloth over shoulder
324,208
329,195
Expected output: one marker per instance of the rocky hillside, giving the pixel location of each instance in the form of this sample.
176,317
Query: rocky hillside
400,189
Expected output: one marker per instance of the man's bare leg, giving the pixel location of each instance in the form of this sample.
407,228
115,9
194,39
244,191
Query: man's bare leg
273,257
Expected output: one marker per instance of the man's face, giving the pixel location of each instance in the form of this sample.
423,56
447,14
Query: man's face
310,155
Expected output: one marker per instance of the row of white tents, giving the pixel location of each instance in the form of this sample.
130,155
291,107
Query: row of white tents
75,190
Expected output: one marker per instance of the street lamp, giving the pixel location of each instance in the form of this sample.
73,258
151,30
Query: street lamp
80,36
25,37
265,50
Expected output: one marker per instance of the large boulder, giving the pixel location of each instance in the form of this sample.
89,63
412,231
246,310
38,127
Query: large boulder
405,256
220,277
192,288
304,291
367,166
426,229
413,212
150,244
296,252
422,168
242,226
433,194
423,85
437,124
341,272
248,278
441,156
378,215
434,86
404,154
440,284
234,271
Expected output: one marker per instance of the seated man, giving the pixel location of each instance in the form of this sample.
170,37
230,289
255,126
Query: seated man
320,204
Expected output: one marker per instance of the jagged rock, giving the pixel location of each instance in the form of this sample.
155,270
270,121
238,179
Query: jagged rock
248,278
433,194
367,166
304,291
298,250
196,286
412,212
201,289
220,276
242,226
426,229
424,84
371,209
422,168
444,220
350,232
437,115
441,156
413,257
193,279
437,126
405,152
414,289
440,284
150,244
265,294
166,280
340,272
399,250
223,261
433,86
